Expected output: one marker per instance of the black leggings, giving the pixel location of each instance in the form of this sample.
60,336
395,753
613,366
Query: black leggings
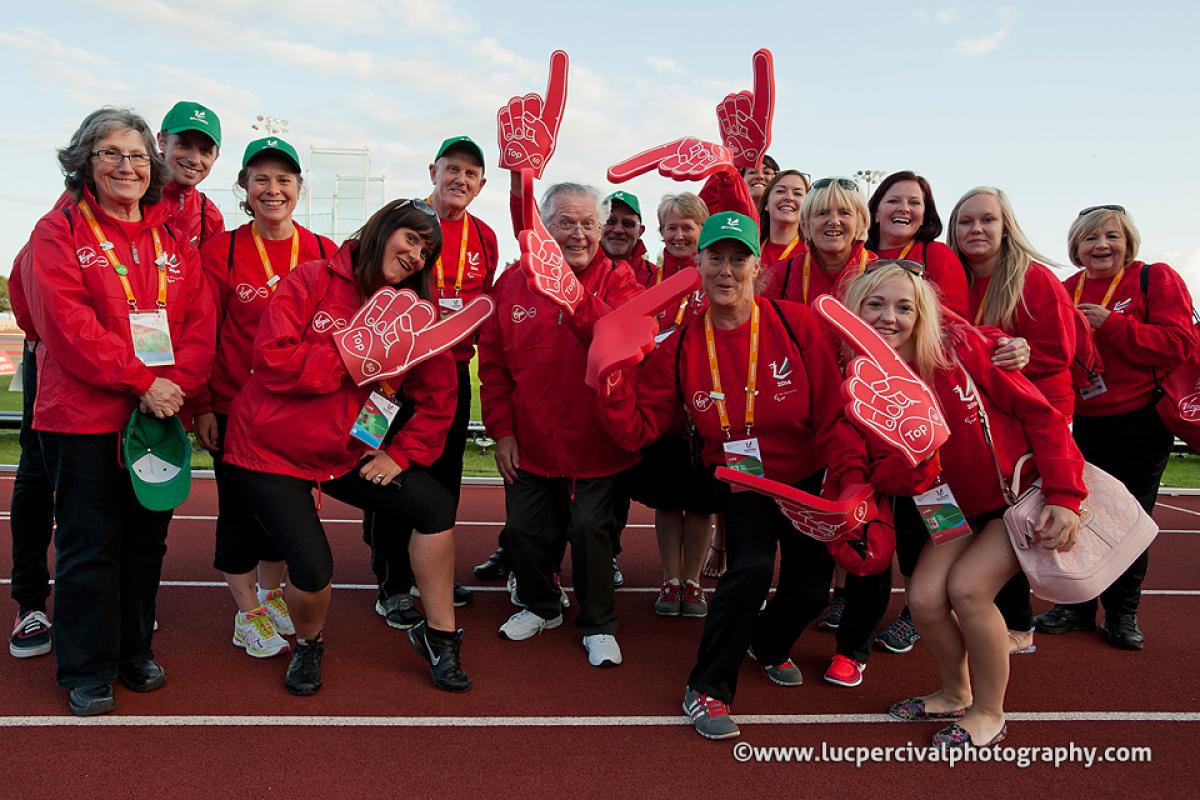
284,506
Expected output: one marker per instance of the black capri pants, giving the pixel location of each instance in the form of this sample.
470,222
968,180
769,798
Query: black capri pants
241,541
284,506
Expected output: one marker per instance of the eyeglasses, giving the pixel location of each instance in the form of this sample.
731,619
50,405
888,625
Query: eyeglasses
845,183
419,205
906,264
1090,209
622,222
562,226
116,157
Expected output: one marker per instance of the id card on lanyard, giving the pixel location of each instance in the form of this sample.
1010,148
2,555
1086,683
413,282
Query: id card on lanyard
268,270
744,455
149,331
451,305
940,512
374,419
1096,385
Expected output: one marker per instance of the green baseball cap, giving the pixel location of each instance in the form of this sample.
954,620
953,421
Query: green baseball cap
188,116
159,459
271,144
460,143
730,225
626,198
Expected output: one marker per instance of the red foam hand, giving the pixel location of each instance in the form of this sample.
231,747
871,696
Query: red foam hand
527,127
686,159
745,117
822,519
625,335
395,330
883,393
547,272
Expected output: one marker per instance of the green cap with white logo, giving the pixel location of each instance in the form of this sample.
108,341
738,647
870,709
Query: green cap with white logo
730,225
626,198
460,143
188,116
159,459
272,145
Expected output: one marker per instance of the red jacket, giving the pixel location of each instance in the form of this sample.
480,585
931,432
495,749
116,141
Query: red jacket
1133,344
481,259
192,214
16,294
785,279
89,379
645,271
943,268
1046,319
797,412
295,413
1021,421
726,191
238,283
532,361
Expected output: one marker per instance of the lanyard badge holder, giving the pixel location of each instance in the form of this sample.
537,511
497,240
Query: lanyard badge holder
375,417
452,305
1096,385
940,512
149,331
272,278
743,455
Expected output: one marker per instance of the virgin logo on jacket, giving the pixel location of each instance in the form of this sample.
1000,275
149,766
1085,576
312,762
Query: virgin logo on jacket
702,401
246,293
87,256
520,313
324,321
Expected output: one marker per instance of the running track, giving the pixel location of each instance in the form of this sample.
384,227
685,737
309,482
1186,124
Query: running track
540,721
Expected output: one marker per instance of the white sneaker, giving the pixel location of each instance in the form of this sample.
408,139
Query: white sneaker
525,625
254,633
602,650
277,608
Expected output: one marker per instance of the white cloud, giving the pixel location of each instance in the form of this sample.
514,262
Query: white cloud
980,45
85,77
947,15
664,65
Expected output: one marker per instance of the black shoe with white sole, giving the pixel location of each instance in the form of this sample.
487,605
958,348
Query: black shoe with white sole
443,652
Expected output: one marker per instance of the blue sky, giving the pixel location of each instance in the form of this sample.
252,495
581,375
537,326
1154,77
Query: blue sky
1061,104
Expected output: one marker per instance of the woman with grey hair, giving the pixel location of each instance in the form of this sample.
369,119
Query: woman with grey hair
126,324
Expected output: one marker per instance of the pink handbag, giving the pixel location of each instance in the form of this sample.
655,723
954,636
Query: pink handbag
1114,530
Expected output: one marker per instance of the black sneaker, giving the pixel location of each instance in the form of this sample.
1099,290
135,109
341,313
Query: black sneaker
88,701
304,673
1123,632
443,656
1064,619
31,635
462,595
833,617
494,568
900,636
398,611
143,676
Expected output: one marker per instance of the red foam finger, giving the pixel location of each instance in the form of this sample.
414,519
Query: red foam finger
529,210
556,92
763,106
860,336
641,163
844,514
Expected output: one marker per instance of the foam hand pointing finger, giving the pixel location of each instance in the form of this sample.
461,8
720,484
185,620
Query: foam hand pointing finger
883,393
745,117
527,127
547,272
686,159
816,517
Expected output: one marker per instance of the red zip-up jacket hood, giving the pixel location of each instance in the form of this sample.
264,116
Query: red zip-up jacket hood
1045,319
532,362
1136,342
192,213
89,379
22,272
942,267
295,413
240,294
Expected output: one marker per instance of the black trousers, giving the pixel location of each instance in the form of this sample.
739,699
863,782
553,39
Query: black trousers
241,542
109,553
284,506
32,504
389,554
542,513
754,528
1132,447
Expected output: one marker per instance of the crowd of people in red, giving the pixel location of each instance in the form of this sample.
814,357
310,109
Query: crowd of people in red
735,369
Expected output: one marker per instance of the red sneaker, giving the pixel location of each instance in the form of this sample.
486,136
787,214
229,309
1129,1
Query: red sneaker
845,671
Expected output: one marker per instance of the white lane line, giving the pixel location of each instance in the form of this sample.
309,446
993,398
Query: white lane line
362,587
1177,508
221,721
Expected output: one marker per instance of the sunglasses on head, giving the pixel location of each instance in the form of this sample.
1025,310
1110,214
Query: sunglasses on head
908,265
1090,209
845,183
419,205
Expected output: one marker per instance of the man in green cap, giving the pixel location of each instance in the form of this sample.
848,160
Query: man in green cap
190,140
622,234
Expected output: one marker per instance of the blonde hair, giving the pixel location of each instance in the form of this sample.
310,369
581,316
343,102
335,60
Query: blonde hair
684,204
834,195
929,352
1087,224
1012,264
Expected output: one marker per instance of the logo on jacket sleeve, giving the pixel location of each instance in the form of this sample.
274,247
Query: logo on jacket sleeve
520,313
1120,307
702,401
324,321
87,256
246,293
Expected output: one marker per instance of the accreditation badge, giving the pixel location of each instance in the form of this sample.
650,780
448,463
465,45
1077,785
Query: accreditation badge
1095,387
745,456
151,336
374,420
942,517
450,305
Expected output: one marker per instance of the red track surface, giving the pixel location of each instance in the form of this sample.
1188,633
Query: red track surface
370,672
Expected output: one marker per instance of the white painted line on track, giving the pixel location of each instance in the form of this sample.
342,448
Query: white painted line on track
222,721
1177,508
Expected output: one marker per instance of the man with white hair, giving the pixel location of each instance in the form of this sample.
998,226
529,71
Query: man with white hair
559,464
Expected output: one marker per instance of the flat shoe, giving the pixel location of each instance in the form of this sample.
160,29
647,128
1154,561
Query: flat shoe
913,710
954,735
